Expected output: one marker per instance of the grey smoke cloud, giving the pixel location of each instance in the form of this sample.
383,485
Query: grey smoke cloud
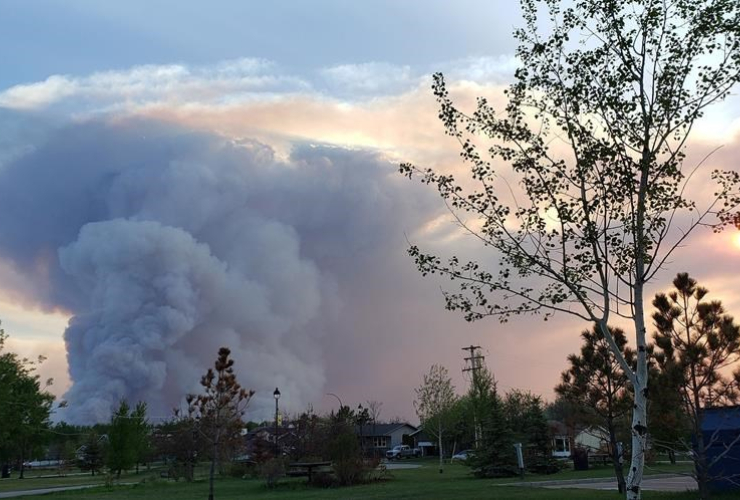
165,244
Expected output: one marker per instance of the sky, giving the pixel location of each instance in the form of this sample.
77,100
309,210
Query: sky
174,178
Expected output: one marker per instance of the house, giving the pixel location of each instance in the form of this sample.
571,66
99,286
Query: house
382,437
426,443
594,439
263,438
561,439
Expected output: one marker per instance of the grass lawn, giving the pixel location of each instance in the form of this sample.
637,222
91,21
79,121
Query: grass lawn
422,483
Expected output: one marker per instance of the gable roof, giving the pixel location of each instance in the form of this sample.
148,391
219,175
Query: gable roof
370,430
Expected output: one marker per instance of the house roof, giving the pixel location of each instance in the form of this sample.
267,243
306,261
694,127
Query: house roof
381,429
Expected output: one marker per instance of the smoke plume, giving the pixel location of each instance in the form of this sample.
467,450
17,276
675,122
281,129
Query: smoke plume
165,244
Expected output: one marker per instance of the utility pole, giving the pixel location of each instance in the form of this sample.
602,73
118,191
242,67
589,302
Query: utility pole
473,365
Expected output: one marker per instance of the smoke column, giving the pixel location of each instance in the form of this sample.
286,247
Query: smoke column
166,244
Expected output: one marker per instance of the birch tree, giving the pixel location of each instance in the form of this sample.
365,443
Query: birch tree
435,397
578,184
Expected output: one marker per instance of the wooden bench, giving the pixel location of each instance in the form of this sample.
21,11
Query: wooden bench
306,469
603,458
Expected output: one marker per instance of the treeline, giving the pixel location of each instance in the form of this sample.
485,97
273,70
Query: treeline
486,421
212,430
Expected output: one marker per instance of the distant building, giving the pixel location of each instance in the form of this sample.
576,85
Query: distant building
383,437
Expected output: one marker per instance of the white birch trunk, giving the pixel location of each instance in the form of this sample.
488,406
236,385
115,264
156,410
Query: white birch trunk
639,414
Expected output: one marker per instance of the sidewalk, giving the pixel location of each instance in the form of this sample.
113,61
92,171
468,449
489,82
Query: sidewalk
655,482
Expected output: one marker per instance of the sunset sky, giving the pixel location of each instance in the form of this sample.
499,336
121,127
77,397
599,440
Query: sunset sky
176,177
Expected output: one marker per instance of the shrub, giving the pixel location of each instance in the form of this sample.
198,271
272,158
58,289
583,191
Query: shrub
271,471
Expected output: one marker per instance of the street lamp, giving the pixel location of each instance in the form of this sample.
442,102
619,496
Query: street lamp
276,395
340,401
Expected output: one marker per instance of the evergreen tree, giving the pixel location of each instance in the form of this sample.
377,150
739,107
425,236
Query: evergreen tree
495,456
122,440
91,456
595,380
219,409
696,343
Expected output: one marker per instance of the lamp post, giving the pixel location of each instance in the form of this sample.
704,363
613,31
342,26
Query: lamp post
340,401
276,395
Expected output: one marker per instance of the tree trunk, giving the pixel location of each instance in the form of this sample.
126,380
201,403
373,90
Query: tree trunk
639,414
213,471
441,453
23,459
616,457
672,456
700,465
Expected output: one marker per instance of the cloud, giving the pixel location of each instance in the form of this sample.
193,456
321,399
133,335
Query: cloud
235,81
175,83
368,79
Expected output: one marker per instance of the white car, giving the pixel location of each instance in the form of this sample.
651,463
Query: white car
463,455
401,451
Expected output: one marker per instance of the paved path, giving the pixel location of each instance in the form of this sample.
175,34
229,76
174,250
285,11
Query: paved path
397,466
43,491
662,483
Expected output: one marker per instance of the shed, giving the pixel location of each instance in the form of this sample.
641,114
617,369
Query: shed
721,431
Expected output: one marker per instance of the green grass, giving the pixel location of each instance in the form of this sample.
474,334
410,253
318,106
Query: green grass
422,483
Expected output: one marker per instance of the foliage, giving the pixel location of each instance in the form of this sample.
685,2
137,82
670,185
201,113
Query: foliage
24,406
311,435
594,131
180,443
434,398
495,455
272,470
525,413
696,342
92,453
596,380
128,437
219,409
345,454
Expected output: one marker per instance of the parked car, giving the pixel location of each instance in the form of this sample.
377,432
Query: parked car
463,455
41,464
402,451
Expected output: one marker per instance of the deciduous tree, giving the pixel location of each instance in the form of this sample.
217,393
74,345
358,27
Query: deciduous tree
594,133
25,406
434,398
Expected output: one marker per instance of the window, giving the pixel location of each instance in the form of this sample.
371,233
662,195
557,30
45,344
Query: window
561,444
380,442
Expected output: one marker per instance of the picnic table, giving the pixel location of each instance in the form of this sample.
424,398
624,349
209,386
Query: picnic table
599,457
306,468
